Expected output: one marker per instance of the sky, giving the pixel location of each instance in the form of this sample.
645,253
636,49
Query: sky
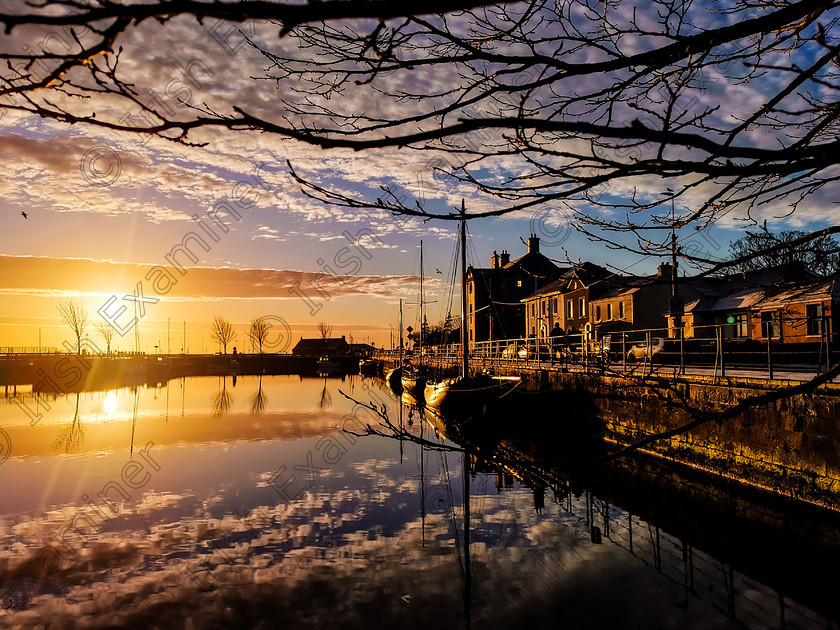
105,209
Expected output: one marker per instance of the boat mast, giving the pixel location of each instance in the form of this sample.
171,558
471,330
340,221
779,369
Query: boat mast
465,362
401,337
421,303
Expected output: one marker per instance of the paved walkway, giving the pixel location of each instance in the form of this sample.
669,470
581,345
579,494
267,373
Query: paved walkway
786,374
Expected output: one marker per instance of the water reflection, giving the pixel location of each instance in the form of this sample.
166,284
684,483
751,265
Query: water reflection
325,401
278,513
223,400
259,400
70,437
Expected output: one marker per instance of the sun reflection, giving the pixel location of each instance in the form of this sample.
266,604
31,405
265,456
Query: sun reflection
110,403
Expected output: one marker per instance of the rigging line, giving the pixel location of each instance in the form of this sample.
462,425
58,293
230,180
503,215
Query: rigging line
454,269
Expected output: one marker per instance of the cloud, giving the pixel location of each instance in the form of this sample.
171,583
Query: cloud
70,277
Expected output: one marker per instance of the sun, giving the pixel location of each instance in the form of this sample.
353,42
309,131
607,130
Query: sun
110,403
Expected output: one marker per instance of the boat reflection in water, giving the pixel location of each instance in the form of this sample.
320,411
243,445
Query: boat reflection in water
271,509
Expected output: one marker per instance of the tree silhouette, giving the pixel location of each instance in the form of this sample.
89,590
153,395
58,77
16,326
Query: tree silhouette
325,330
759,250
222,332
593,109
107,331
258,332
75,316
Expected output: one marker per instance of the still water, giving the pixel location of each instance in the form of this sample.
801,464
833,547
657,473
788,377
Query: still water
213,502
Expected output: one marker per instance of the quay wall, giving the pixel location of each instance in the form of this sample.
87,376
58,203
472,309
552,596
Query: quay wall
788,446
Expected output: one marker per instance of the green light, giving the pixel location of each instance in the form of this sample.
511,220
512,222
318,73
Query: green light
730,320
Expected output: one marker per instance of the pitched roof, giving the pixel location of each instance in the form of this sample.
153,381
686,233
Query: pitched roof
536,264
826,290
588,273
320,346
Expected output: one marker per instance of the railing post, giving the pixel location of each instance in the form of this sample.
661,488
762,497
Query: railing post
624,351
768,332
682,351
722,359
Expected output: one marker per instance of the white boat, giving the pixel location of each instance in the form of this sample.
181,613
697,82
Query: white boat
325,364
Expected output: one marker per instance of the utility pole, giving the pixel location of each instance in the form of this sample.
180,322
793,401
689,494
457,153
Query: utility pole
676,307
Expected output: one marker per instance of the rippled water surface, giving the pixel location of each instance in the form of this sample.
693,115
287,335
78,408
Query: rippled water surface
217,503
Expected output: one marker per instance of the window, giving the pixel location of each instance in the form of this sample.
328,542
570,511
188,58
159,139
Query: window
770,325
598,313
556,305
533,310
581,307
470,285
609,311
571,309
471,308
542,302
621,310
471,337
813,319
742,325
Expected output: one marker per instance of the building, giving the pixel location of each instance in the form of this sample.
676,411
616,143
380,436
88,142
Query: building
565,301
633,303
798,314
320,347
744,305
494,295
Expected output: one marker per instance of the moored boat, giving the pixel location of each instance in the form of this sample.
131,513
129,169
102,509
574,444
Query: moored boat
394,379
470,393
466,393
367,367
414,381
327,365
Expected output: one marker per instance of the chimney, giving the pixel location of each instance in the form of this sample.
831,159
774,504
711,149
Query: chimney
533,244
664,271
495,260
505,258
342,337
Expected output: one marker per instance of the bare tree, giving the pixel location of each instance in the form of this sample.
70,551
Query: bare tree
325,330
258,332
222,332
107,331
595,109
75,316
757,250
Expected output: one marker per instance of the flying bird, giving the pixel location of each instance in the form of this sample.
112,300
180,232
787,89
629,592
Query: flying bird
438,270
23,214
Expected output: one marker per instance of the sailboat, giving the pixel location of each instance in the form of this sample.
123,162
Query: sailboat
467,393
394,376
413,379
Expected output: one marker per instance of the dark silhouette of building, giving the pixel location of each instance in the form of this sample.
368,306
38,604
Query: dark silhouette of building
319,347
494,308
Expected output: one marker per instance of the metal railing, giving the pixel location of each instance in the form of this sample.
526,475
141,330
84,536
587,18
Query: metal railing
710,348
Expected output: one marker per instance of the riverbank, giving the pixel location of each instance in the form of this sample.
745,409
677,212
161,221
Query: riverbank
63,373
785,446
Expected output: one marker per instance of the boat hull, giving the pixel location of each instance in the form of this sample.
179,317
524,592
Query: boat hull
394,379
470,394
414,384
